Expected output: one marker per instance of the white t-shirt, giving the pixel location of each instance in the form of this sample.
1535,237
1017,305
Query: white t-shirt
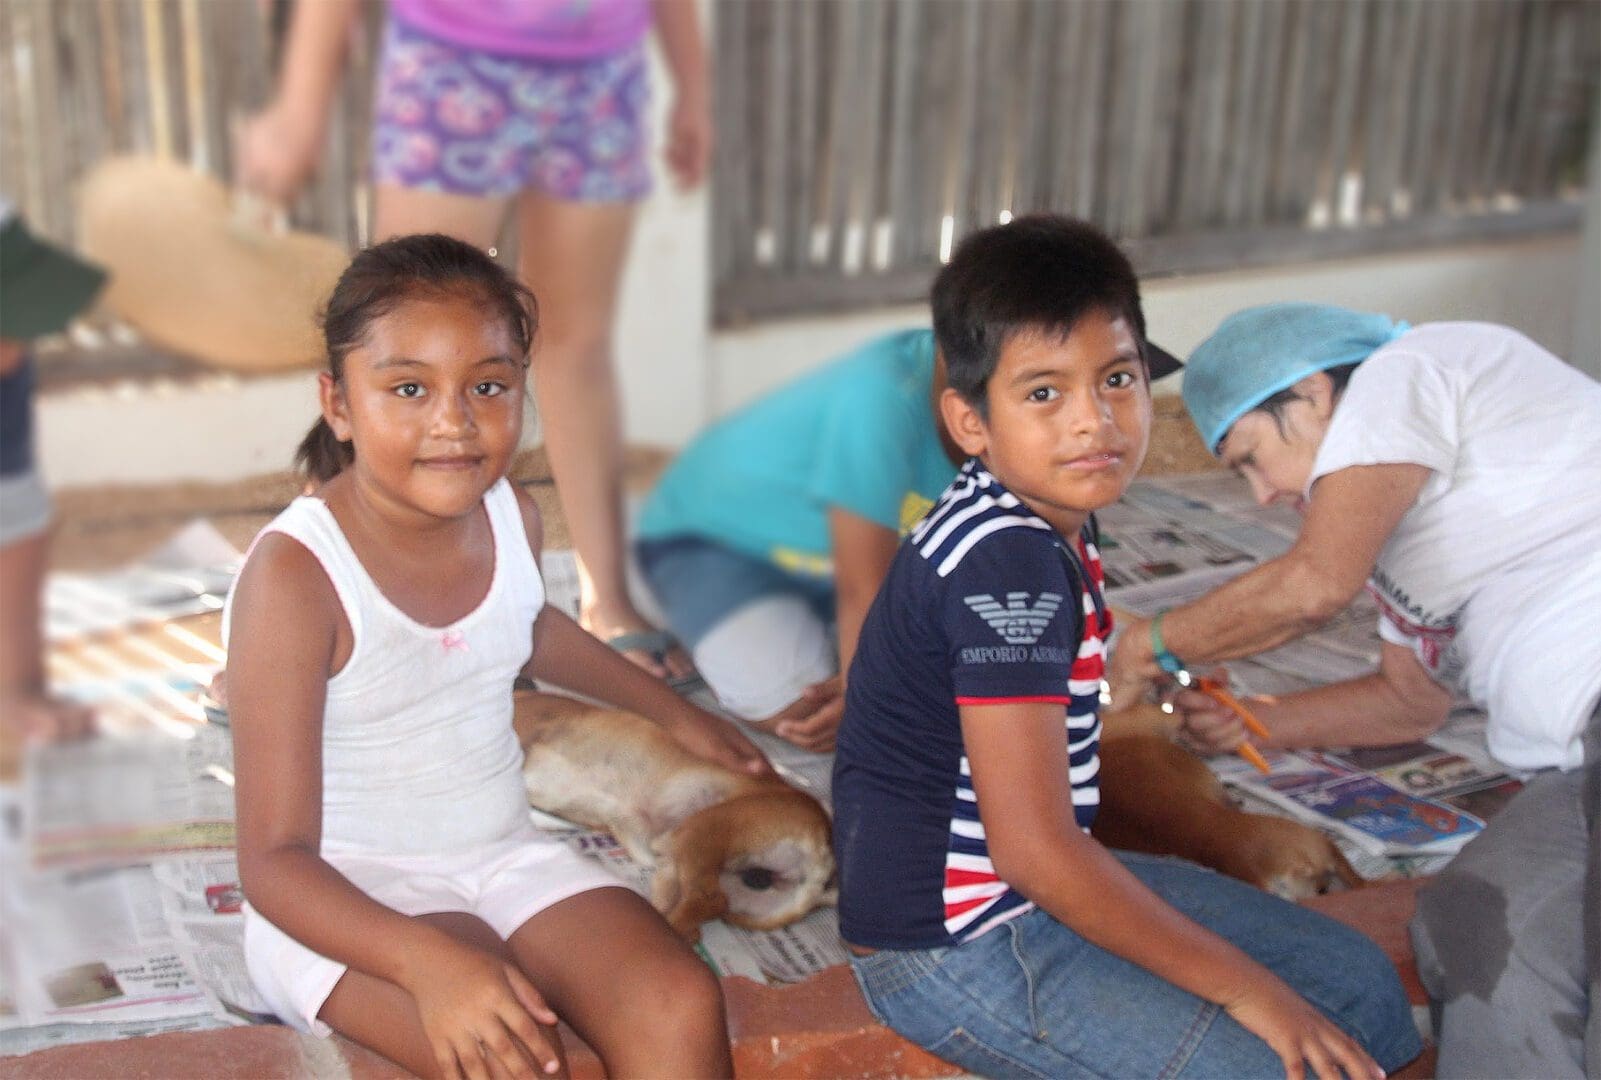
1493,577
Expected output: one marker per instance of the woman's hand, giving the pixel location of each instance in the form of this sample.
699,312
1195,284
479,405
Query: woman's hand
275,151
1206,725
481,1014
1132,665
715,739
811,720
1299,1034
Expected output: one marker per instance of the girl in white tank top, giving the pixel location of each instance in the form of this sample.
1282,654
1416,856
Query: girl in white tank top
397,891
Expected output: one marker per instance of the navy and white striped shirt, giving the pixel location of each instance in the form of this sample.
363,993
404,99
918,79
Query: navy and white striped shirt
984,604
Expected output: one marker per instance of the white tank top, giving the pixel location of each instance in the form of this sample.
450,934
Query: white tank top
418,752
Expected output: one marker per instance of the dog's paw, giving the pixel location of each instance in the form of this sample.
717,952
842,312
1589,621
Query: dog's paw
1291,860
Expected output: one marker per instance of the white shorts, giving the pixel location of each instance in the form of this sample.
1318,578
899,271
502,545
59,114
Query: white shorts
504,883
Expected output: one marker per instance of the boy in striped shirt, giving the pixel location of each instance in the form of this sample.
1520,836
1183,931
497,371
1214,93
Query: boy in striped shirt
986,924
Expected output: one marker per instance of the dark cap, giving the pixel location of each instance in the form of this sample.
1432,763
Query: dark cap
1161,361
41,286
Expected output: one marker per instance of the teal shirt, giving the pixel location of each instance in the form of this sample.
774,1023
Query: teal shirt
858,433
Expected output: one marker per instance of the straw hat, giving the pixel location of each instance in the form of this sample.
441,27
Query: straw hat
194,277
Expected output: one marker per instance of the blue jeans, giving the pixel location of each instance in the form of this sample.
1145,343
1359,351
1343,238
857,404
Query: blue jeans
1032,998
699,583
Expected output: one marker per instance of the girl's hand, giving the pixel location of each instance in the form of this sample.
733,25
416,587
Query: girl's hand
811,720
1299,1034
482,1015
275,151
689,139
715,739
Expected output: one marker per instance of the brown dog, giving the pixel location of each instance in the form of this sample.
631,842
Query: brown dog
1158,797
752,850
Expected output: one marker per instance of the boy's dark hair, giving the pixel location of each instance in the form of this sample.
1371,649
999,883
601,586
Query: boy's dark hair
1042,272
377,280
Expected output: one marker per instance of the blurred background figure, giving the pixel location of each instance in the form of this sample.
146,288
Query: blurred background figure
539,109
41,288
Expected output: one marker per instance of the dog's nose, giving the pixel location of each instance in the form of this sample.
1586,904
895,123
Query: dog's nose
757,877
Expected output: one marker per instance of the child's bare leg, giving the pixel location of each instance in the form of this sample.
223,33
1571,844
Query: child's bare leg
572,257
400,211
26,710
611,967
383,1017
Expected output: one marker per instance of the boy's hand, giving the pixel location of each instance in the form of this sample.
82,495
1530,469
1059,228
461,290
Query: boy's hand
715,739
1299,1034
481,1015
812,720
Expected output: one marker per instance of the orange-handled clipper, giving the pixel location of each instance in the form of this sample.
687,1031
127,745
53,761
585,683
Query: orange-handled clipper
1220,694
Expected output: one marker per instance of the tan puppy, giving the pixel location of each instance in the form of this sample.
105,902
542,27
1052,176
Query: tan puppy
1158,797
752,850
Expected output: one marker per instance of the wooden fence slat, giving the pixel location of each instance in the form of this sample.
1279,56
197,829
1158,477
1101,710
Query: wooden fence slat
1531,81
1217,124
1037,124
1095,86
858,138
729,167
775,145
903,184
1347,101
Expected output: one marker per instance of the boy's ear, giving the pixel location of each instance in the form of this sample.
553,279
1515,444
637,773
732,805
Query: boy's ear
335,410
966,427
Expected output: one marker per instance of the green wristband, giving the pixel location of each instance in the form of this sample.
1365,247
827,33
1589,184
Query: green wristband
1159,652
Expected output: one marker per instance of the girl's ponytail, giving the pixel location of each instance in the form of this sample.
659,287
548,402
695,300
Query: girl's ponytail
321,456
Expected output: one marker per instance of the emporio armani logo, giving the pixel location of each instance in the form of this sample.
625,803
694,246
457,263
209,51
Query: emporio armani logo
1016,621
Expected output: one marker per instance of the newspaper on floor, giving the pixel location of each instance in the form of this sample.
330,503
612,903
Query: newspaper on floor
1328,792
187,575
127,799
95,946
204,905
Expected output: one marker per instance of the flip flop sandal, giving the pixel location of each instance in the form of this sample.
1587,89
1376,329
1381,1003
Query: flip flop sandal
657,643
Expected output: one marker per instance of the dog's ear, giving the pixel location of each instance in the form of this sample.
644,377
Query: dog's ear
686,888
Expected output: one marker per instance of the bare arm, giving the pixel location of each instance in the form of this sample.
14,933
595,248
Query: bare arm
288,635
689,125
862,550
1398,703
279,147
1020,774
1351,515
569,656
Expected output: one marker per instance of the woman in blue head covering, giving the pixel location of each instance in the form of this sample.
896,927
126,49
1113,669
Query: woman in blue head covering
1455,470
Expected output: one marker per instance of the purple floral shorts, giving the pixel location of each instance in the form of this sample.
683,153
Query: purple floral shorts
453,119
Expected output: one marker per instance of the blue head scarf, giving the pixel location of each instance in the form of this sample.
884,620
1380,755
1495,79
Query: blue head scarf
1257,352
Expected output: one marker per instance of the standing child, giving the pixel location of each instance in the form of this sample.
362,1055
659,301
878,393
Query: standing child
397,891
986,925
42,288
